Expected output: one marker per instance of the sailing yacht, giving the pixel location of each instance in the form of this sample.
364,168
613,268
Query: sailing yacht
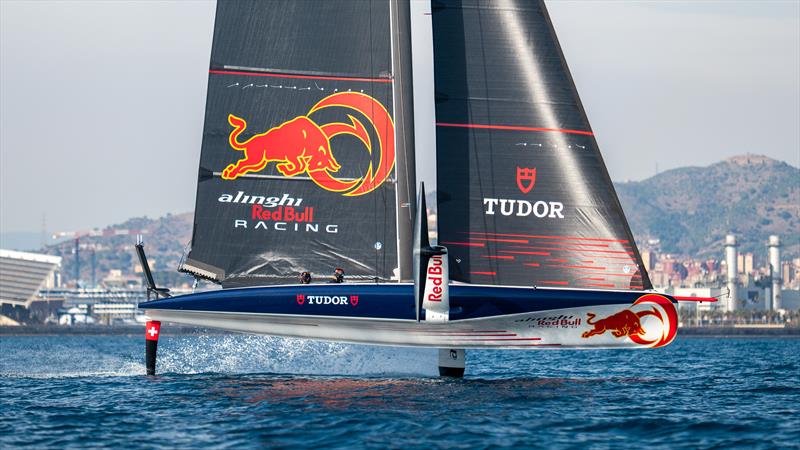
317,116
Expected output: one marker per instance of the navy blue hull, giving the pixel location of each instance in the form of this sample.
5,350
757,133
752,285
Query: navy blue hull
386,301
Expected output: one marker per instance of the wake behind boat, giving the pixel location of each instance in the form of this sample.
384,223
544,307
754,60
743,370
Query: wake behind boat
317,117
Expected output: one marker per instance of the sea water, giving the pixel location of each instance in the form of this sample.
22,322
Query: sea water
247,391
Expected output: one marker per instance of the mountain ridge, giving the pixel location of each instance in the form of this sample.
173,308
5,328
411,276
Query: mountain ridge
691,209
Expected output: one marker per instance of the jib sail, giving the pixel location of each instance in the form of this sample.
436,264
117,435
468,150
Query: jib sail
298,154
524,197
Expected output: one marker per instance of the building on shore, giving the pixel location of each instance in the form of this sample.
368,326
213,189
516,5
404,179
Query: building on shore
99,306
22,276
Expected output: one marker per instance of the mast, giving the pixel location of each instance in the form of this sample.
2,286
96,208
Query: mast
402,92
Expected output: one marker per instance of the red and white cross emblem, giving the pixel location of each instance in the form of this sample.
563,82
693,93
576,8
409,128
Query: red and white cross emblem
152,329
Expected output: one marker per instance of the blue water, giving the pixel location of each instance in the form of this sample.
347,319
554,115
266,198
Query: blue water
248,391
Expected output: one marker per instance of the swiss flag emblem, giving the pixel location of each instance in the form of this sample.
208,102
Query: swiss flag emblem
152,329
301,299
354,300
526,178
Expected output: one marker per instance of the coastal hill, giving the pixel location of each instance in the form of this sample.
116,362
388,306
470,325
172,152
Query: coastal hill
688,210
691,209
165,241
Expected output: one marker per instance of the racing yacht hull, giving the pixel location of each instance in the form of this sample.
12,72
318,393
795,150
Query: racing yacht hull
481,316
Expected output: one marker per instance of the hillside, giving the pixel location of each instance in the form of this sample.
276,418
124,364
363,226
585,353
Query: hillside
166,238
691,209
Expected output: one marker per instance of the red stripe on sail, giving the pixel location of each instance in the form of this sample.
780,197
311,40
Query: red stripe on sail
624,258
498,256
513,241
303,77
526,253
484,273
561,283
573,245
466,244
630,275
577,267
538,236
577,244
571,249
512,128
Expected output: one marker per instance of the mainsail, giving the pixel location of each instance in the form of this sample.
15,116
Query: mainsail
524,197
297,170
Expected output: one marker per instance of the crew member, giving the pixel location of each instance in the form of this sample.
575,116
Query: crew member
338,275
305,278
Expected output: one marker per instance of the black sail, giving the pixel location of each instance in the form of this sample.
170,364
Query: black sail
524,197
297,165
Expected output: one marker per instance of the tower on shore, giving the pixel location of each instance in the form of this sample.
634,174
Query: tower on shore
731,262
774,247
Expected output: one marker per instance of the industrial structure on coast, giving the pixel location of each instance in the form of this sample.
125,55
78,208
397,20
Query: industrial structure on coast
740,287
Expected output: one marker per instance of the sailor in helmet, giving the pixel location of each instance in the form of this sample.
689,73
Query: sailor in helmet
338,275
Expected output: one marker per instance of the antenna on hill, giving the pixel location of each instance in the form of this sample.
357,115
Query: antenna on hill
43,242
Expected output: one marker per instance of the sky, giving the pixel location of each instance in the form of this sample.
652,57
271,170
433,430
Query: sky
102,103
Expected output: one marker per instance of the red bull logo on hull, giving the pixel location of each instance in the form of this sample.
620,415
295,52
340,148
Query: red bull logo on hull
302,146
651,321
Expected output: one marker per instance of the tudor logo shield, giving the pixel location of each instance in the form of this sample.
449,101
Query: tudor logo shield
301,299
526,178
354,300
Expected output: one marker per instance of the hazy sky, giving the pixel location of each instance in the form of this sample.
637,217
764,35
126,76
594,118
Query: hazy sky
102,103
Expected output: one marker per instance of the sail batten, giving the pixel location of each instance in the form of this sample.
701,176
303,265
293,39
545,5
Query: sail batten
513,128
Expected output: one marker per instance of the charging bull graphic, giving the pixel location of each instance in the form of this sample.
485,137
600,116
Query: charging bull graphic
628,322
623,323
301,145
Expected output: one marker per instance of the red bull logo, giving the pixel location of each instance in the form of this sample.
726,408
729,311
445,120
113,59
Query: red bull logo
302,146
623,323
629,322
